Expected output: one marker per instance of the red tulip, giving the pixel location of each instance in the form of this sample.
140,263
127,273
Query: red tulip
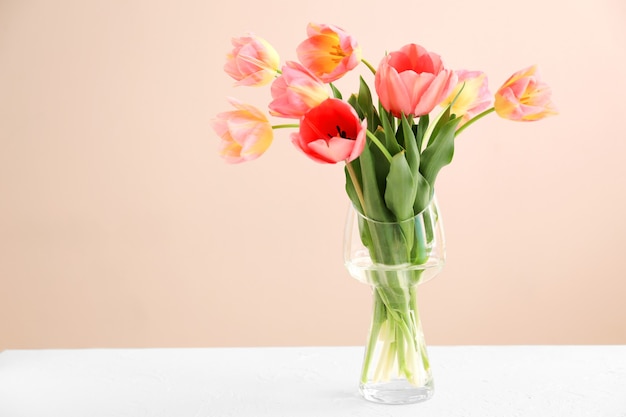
296,91
412,81
331,132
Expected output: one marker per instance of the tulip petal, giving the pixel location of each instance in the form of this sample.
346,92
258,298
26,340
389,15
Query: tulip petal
296,91
524,97
412,81
331,132
328,52
245,132
334,149
252,62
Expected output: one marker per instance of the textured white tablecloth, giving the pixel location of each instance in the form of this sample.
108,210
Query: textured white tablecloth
470,381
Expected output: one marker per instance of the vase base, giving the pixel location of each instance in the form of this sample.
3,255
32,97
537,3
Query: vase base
398,391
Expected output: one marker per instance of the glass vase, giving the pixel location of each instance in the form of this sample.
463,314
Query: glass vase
394,258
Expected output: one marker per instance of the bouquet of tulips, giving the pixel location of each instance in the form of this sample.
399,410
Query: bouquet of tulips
393,147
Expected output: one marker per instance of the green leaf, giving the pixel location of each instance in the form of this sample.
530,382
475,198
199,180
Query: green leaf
373,122
422,188
336,93
422,126
365,98
354,198
412,152
441,121
400,198
439,152
350,186
423,194
390,140
401,188
367,107
374,169
354,102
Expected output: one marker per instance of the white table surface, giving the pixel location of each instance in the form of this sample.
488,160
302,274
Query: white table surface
481,381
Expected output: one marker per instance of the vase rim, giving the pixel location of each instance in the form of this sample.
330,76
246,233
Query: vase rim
431,202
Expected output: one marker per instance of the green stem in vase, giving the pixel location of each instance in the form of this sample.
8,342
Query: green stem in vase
396,338
377,321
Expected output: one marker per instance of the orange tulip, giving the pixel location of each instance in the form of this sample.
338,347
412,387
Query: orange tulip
328,52
246,133
474,97
296,91
412,81
524,97
252,62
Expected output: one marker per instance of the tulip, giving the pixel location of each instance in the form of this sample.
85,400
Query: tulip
412,81
524,97
331,132
296,91
474,96
328,52
246,133
252,62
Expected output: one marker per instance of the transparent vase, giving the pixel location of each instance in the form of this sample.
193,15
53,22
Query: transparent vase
394,258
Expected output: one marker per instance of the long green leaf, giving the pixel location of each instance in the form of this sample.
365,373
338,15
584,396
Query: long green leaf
350,183
373,168
390,132
400,198
336,92
439,152
354,102
400,191
412,152
365,98
422,190
422,126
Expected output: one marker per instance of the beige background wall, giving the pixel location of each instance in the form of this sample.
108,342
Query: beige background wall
121,227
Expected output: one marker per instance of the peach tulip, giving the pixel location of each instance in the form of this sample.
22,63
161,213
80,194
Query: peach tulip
246,133
331,132
412,81
524,97
296,91
328,52
474,97
252,62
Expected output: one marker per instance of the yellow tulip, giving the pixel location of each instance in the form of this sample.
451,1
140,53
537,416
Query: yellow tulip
524,97
245,132
474,96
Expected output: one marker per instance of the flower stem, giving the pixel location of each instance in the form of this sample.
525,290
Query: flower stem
368,65
474,119
289,125
396,342
380,146
357,186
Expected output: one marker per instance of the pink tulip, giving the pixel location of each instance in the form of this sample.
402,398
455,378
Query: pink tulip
524,97
474,97
331,132
328,52
246,133
296,91
412,81
252,62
